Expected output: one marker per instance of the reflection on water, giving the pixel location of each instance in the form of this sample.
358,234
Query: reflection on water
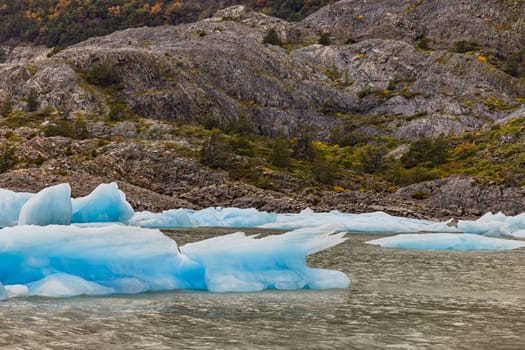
398,299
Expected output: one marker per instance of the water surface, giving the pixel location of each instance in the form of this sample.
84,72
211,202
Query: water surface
398,300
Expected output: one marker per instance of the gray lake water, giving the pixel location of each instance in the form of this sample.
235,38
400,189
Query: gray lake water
398,300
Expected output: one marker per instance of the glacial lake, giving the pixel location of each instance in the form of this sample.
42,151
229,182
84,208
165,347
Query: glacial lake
398,299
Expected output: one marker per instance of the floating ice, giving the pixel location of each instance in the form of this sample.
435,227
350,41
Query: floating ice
447,241
175,218
232,217
68,260
10,205
494,225
50,206
105,204
376,222
272,262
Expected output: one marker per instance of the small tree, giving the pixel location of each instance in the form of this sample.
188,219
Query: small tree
216,152
6,107
32,101
272,38
280,156
324,39
7,159
324,171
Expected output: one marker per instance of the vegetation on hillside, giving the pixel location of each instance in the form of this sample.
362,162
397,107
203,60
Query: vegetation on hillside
65,22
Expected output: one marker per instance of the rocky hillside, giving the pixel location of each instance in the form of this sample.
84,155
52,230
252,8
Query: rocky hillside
358,84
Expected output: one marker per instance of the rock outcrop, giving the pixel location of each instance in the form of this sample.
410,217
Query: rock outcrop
218,69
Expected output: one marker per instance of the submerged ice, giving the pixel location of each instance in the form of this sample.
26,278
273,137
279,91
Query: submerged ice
61,261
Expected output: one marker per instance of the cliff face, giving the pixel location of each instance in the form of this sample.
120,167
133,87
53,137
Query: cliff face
219,71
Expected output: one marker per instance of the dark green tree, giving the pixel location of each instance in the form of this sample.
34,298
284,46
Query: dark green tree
426,152
216,151
32,101
280,156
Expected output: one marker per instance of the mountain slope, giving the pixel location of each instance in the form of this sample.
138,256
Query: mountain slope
131,106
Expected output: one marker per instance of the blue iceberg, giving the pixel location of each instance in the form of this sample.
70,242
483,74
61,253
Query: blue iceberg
105,204
51,206
60,261
10,205
447,241
174,218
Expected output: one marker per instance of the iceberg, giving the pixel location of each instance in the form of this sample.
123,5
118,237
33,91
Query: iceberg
375,222
10,205
446,241
232,217
495,225
175,218
61,261
271,262
105,204
50,206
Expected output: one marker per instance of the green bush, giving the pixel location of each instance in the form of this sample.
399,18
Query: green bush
216,152
7,159
324,39
426,152
241,145
324,171
372,158
272,38
74,129
280,156
103,75
32,103
422,43
464,46
6,107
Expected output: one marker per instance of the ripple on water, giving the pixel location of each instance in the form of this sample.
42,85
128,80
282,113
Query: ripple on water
398,299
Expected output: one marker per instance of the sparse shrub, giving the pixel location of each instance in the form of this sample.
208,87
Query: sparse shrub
32,101
3,55
119,111
103,75
324,39
399,176
6,107
422,43
241,125
272,38
211,122
74,129
514,64
464,46
7,159
242,146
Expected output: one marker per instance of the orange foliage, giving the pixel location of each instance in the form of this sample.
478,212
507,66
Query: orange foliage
156,8
114,10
